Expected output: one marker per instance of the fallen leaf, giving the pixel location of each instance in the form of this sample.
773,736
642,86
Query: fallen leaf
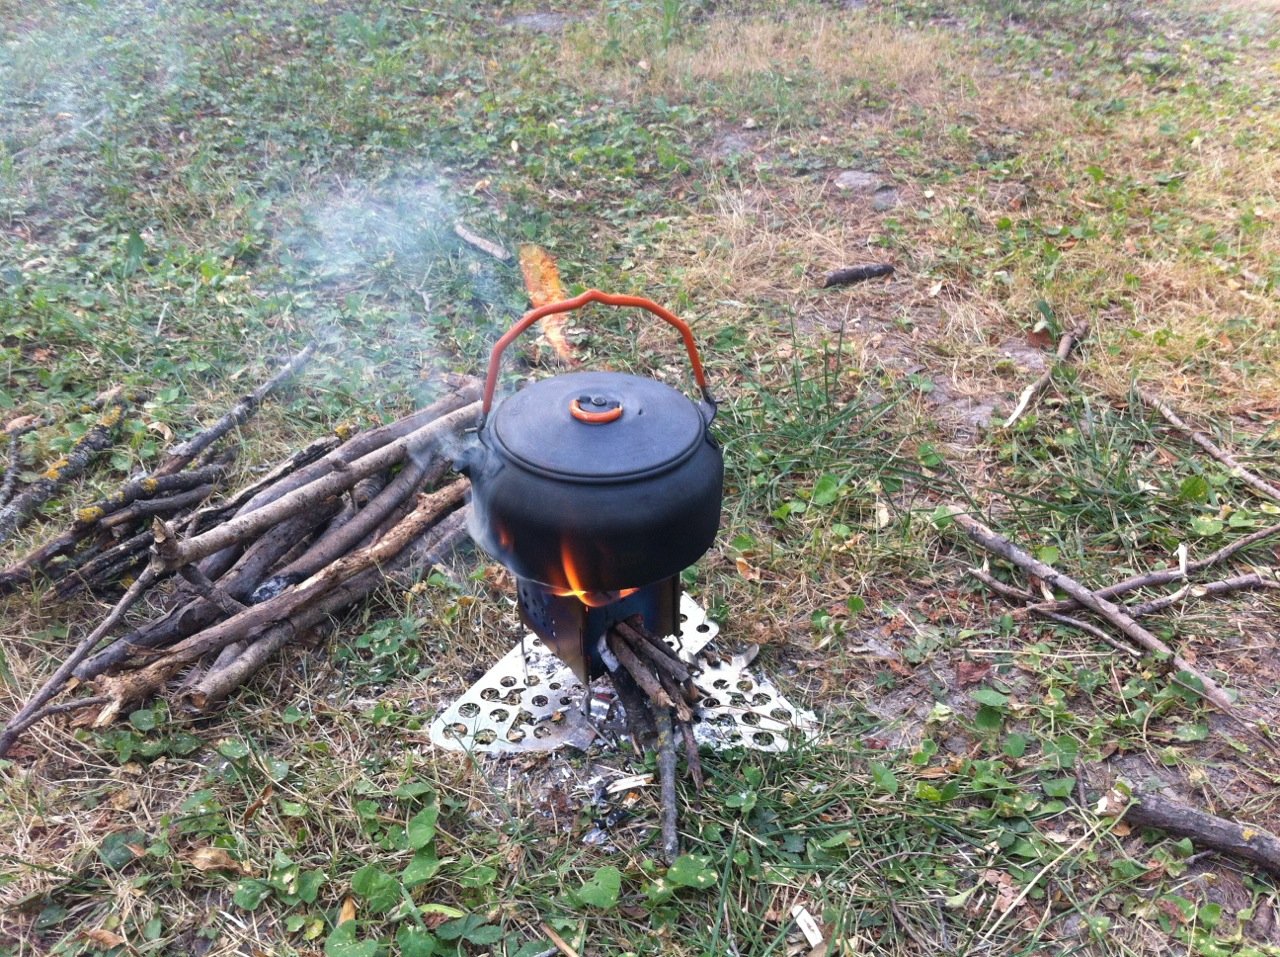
257,805
1006,893
542,283
1039,339
971,672
348,911
214,859
103,938
20,423
747,570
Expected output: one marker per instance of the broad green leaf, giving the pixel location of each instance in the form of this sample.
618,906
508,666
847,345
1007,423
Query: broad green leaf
885,779
602,890
380,890
990,697
424,866
144,719
250,893
116,850
342,943
422,826
233,749
1206,527
1059,787
825,491
690,870
1194,489
415,942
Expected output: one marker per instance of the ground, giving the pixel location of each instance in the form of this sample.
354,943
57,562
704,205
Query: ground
192,189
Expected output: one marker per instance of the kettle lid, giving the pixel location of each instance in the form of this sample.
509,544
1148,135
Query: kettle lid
597,427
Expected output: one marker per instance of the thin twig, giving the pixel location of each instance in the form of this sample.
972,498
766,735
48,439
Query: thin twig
1165,575
1065,345
181,455
13,466
28,714
479,242
667,776
999,545
1245,475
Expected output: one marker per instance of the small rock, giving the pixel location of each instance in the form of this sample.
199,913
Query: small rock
858,181
885,199
541,22
731,145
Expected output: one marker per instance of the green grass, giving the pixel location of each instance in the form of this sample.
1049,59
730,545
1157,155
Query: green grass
188,192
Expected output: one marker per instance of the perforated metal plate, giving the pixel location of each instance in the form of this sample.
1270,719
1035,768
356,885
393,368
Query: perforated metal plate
531,701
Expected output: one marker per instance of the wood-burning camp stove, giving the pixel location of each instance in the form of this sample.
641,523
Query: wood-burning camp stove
595,489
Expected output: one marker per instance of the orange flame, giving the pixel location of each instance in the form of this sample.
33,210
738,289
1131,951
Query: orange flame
542,282
592,599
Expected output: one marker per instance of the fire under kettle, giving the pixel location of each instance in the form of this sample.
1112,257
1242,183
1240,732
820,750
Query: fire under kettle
595,484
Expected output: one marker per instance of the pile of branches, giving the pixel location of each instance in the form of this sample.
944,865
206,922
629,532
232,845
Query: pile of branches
228,584
107,541
658,697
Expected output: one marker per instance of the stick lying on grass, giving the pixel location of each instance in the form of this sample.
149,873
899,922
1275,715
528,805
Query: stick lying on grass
1199,438
293,553
1065,346
1116,616
1243,841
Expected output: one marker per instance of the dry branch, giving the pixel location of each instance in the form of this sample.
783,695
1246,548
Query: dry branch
1165,575
249,524
1114,614
1245,475
180,456
486,246
98,438
13,464
251,623
29,713
1244,841
1065,346
667,782
223,678
852,274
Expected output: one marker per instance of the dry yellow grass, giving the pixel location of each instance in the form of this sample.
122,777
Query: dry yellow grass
732,52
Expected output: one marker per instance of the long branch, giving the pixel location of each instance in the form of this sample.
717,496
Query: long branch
1123,622
248,524
182,454
1244,474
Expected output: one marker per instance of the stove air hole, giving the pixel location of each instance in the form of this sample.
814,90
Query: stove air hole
723,721
512,698
683,617
532,681
760,699
542,731
515,735
752,719
737,701
508,682
539,701
566,700
554,686
763,738
720,684
746,684
710,702
703,628
457,730
524,717
499,714
468,709
489,694
485,736
780,714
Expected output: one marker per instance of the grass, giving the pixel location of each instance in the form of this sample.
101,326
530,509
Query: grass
187,191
